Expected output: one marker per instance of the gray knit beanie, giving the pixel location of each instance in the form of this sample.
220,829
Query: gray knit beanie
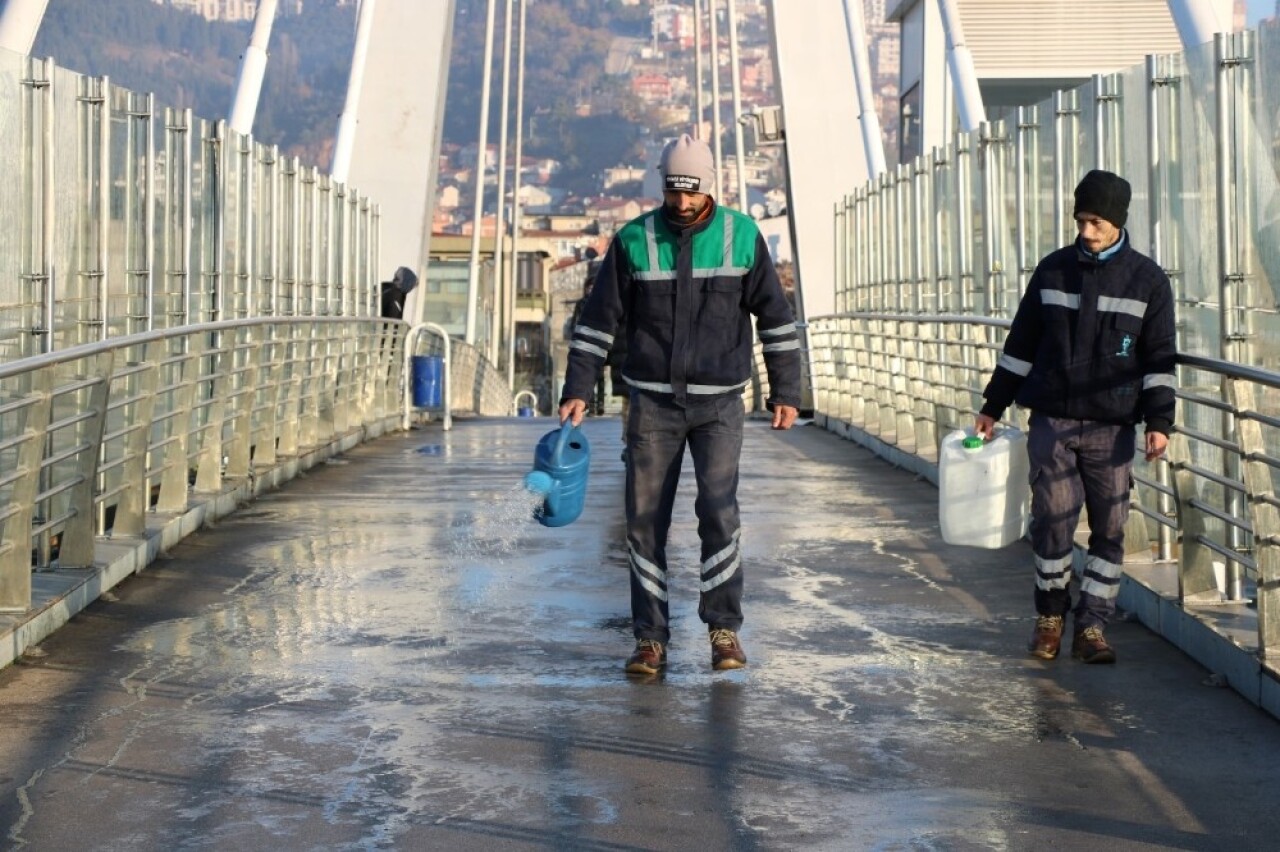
687,166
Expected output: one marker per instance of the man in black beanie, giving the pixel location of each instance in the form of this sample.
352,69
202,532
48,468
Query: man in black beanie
1090,353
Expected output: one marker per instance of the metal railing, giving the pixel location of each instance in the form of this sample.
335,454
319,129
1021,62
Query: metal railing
901,382
123,216
95,437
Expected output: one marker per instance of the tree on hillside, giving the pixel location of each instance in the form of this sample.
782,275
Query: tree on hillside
566,46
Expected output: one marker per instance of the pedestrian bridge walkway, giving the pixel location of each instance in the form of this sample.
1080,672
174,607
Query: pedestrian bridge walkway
387,653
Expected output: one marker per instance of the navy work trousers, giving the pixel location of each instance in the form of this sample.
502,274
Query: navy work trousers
1075,464
657,432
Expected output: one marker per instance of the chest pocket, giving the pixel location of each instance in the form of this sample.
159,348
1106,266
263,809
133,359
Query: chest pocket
656,302
721,299
1121,340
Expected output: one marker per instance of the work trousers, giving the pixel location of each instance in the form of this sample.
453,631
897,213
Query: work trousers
1079,464
658,430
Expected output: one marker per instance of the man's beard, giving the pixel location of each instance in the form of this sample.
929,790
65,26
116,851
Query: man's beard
675,214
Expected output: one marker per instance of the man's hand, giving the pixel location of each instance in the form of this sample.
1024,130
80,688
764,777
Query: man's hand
985,426
1156,444
784,416
573,408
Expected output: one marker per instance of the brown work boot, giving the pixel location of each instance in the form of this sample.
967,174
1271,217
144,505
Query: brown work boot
1047,638
726,650
648,658
1090,646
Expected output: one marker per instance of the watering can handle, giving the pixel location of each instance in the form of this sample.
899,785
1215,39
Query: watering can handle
566,429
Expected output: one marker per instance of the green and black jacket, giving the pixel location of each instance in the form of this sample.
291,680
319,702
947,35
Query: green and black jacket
684,298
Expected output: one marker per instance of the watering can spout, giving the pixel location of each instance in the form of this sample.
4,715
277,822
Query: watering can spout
539,482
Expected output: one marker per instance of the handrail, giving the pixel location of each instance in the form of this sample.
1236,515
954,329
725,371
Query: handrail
898,393
102,435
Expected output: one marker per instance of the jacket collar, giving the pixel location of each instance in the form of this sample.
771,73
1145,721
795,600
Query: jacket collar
692,228
1106,254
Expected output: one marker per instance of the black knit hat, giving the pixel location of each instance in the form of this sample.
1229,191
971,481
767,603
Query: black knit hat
1104,194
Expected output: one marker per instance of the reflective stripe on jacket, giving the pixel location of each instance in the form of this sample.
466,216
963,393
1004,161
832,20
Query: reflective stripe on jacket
1092,340
684,298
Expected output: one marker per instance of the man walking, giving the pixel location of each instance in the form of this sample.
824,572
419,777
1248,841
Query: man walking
683,281
1090,353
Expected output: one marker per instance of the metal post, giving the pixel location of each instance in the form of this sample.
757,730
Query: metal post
48,211
218,186
244,104
716,150
473,273
104,209
1099,148
964,228
355,82
515,198
738,117
149,214
1224,61
942,259
701,104
1064,114
838,247
185,229
994,166
1157,192
273,297
500,280
921,261
247,244
1023,156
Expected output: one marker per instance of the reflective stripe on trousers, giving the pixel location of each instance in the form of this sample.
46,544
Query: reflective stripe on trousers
657,432
1077,464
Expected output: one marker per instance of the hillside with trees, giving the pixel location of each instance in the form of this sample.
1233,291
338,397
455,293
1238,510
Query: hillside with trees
576,113
188,62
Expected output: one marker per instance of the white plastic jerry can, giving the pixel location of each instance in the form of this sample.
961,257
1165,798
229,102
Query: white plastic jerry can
984,498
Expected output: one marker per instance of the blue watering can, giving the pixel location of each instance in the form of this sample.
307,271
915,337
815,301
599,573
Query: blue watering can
559,474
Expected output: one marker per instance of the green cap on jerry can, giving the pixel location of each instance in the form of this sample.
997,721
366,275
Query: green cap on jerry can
972,442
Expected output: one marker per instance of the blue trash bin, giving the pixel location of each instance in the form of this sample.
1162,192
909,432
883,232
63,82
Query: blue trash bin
427,372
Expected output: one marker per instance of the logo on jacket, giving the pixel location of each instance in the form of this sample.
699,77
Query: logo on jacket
1126,346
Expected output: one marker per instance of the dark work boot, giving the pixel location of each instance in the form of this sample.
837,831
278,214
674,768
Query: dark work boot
726,650
1047,638
648,658
1090,646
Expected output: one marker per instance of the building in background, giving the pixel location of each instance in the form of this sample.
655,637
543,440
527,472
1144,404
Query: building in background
1055,49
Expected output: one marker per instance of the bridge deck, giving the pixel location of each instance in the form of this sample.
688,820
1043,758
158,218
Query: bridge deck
387,654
